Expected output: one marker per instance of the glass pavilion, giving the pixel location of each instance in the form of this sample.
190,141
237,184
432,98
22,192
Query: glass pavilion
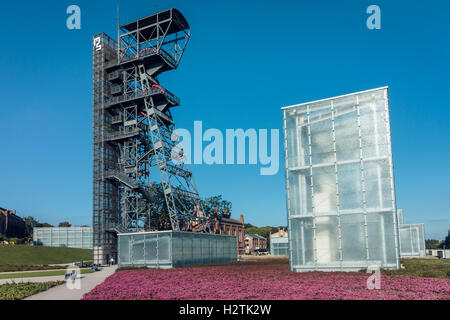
339,183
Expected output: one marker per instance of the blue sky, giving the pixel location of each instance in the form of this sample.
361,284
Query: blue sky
245,60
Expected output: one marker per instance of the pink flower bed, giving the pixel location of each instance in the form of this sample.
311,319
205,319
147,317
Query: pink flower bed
260,282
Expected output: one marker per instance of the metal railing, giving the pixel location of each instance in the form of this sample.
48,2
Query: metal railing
155,89
121,134
146,52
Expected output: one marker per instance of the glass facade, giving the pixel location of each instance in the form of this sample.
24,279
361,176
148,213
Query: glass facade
174,249
71,237
412,240
339,183
279,246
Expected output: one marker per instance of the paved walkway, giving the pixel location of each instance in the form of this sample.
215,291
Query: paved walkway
88,282
31,271
32,279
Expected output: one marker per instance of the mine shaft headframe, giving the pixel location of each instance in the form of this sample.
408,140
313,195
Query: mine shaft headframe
163,34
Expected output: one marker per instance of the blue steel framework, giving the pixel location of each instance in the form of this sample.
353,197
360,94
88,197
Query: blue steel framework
134,140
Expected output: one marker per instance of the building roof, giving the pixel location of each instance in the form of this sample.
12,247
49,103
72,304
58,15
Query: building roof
281,233
255,236
333,98
230,220
150,22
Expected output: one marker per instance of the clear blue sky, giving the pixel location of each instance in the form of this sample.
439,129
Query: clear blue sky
245,60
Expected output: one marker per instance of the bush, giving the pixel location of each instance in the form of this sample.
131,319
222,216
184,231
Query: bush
17,291
17,240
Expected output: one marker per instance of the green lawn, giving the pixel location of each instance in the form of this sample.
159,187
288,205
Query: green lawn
38,274
430,268
30,255
17,291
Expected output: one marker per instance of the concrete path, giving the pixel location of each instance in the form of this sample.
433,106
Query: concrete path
88,282
31,271
32,279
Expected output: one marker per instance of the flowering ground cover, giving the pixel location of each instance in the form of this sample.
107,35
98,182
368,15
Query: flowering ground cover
255,282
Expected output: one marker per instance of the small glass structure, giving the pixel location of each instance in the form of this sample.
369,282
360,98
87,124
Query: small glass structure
412,240
339,183
69,237
279,246
174,249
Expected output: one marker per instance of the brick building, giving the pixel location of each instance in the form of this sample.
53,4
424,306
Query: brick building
11,225
224,224
254,242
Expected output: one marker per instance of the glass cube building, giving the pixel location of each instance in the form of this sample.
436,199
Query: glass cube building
279,246
412,240
69,237
339,183
174,249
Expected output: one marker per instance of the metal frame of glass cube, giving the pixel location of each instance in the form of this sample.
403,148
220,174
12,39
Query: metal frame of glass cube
412,240
174,249
339,183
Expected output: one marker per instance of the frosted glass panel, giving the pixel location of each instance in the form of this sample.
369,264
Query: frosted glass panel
347,136
350,189
353,237
340,198
324,198
151,244
327,240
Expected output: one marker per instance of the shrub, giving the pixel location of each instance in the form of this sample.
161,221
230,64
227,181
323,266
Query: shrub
17,291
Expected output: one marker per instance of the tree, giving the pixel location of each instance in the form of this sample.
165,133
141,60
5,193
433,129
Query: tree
432,244
158,209
30,223
224,206
44,225
65,224
446,242
159,213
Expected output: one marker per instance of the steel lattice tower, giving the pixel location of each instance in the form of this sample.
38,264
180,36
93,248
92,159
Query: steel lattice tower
134,140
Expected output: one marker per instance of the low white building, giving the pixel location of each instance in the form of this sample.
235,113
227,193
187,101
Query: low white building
69,237
440,253
279,243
